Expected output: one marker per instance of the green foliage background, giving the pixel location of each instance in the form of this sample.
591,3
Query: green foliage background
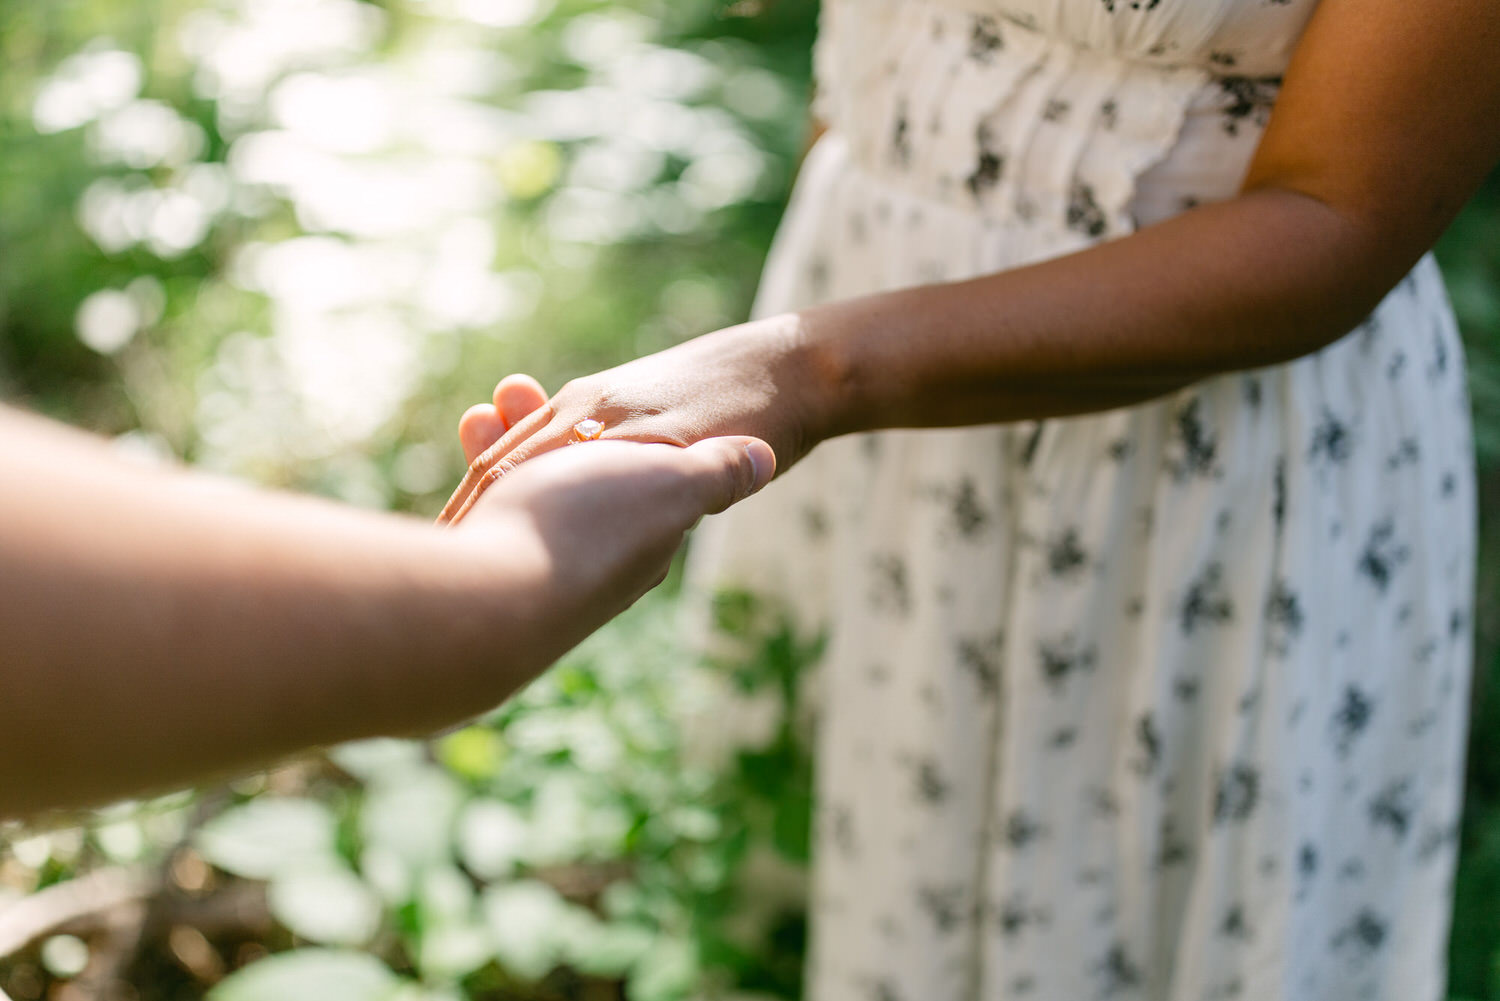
181,268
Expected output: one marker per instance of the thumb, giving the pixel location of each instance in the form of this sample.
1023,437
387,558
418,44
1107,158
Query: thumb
725,471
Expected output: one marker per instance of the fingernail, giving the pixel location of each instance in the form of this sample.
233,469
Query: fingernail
764,461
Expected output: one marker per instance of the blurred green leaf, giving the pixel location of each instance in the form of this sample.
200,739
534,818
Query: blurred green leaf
529,169
370,759
492,838
525,921
411,816
452,951
387,874
425,992
65,956
329,906
474,753
265,837
608,950
667,972
311,975
445,896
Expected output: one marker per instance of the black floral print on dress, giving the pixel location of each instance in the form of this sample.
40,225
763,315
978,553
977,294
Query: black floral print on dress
1284,618
1065,658
1118,972
1109,114
1206,602
1174,849
1021,831
1392,809
891,591
1351,718
1148,745
1235,925
1363,936
901,138
1332,441
1383,555
931,786
1015,916
1194,449
1248,102
984,39
989,165
1236,793
981,658
1066,557
1084,212
969,515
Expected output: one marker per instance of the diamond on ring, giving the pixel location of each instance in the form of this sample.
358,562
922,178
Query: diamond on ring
588,430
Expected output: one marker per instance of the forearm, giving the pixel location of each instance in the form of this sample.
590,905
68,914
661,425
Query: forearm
160,627
1260,279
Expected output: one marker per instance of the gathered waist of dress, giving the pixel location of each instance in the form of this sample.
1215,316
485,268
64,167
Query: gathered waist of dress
1024,128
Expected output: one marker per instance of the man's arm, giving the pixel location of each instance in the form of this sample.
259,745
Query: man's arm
159,626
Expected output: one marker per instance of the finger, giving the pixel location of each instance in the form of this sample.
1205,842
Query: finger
483,465
516,397
725,471
479,428
506,455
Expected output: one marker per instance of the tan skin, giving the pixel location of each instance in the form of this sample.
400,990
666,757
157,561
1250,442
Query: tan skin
1384,127
161,627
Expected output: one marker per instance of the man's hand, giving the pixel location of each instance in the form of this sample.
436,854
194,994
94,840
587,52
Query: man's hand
595,527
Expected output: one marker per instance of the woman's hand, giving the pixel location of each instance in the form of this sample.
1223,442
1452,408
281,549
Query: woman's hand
746,380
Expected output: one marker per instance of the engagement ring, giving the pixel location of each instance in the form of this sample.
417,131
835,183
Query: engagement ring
588,430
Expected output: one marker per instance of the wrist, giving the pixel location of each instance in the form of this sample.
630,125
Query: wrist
871,359
812,374
451,641
523,602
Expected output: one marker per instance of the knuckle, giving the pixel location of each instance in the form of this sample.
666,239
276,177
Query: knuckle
506,466
576,387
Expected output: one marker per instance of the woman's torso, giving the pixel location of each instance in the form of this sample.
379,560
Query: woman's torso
1088,117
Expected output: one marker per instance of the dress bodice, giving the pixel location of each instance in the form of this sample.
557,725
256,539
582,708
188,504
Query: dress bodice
1239,37
1095,115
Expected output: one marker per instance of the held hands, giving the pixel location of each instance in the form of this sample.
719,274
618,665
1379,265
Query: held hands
593,529
745,380
587,531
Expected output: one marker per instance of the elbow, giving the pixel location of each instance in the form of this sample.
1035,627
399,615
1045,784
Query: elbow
1338,263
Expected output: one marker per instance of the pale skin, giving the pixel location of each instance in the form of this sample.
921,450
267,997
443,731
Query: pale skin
1383,128
161,627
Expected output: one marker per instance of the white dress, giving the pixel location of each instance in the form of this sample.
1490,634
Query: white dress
1166,702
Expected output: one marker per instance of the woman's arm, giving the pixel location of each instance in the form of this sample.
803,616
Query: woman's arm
1384,126
157,626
